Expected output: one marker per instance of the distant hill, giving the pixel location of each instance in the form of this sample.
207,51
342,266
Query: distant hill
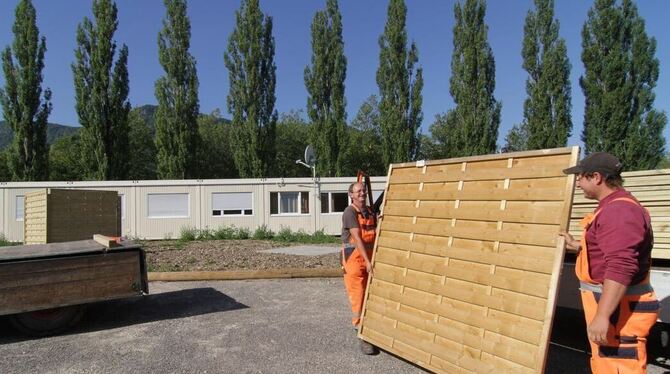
56,131
148,113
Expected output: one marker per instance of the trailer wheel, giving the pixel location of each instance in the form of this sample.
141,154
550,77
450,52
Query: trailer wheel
49,321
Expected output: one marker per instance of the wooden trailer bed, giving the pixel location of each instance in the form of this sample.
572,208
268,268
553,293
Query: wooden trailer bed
56,275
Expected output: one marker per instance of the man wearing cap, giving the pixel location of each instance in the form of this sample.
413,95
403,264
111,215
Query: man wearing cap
613,262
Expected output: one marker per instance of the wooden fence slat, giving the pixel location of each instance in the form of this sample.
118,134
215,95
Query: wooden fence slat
526,212
526,235
483,193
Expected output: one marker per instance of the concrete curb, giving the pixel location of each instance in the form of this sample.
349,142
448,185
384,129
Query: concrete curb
175,276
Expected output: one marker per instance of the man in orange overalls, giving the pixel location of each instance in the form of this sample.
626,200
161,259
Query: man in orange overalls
613,265
359,225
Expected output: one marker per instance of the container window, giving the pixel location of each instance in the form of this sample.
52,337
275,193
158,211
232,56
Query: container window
289,202
20,207
232,204
168,205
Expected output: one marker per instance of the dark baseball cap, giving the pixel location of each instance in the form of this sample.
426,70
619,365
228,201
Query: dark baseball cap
602,162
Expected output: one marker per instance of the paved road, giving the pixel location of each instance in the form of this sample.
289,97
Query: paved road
266,326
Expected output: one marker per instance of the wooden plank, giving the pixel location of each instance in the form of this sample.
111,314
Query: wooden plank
37,273
106,241
483,192
510,349
455,313
49,283
516,211
27,252
557,152
512,302
504,366
482,174
524,234
420,350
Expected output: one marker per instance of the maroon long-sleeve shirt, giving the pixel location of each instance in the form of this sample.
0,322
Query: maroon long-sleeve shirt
619,241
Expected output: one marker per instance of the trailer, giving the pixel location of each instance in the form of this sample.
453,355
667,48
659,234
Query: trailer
44,288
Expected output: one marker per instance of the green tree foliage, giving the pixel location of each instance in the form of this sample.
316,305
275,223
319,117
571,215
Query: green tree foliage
400,83
101,90
177,136
142,165
363,151
439,142
665,162
251,99
5,174
428,149
65,159
325,84
216,160
620,76
21,99
546,111
292,138
472,127
516,139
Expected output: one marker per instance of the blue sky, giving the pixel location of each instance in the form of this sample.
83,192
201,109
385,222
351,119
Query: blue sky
429,23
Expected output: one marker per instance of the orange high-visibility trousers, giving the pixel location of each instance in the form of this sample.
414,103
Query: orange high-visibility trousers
355,282
625,351
626,347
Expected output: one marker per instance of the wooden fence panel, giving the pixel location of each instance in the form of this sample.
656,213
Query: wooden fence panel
467,259
652,189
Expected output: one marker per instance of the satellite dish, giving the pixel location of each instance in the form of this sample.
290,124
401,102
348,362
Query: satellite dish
310,157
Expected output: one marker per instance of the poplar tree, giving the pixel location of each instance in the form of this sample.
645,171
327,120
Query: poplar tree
400,82
325,84
26,109
177,136
472,127
620,74
142,163
101,91
546,111
252,74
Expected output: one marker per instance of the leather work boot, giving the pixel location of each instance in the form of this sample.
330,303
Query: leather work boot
367,348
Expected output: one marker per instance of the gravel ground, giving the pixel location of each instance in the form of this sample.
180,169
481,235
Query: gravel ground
168,255
262,326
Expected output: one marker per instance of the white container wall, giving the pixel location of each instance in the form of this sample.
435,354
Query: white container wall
160,209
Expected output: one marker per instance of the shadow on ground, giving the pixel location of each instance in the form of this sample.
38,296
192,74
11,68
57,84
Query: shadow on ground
138,310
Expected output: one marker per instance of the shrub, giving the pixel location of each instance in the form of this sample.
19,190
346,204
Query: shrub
4,242
204,234
321,237
224,233
284,235
243,233
188,234
263,233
